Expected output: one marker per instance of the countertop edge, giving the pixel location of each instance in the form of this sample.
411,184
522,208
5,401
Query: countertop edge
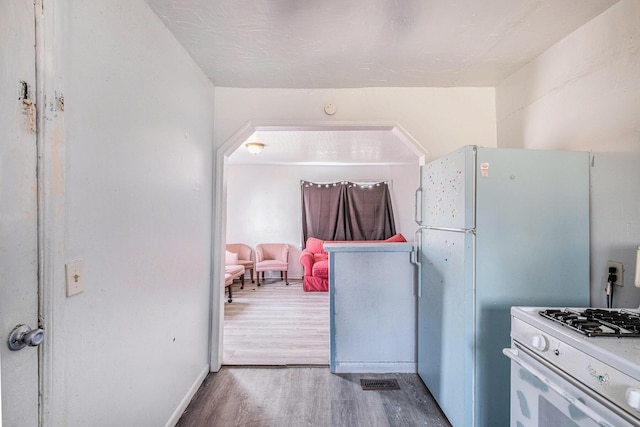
369,247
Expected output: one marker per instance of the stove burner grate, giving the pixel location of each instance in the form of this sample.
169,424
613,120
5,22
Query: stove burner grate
595,322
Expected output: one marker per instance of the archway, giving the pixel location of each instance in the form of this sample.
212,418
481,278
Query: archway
220,202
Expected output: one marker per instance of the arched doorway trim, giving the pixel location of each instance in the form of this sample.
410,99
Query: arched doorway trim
220,201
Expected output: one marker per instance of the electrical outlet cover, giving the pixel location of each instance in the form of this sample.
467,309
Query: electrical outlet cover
618,273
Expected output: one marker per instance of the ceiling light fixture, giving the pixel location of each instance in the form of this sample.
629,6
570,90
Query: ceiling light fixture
254,147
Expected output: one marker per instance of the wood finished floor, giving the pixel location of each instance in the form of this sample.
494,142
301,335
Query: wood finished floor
274,324
308,396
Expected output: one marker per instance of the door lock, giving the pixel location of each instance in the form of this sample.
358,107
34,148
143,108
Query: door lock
23,336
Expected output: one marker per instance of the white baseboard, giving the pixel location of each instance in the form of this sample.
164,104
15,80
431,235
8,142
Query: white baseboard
175,417
375,367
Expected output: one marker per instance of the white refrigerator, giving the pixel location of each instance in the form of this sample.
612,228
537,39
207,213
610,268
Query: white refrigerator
498,228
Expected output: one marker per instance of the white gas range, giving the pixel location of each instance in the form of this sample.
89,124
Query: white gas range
575,367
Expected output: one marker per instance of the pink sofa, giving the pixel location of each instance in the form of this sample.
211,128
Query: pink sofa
316,262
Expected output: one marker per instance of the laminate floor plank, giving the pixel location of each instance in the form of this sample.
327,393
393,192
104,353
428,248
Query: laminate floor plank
272,334
308,396
276,324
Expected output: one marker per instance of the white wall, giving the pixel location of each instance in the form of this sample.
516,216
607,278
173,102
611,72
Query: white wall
138,137
615,225
582,94
263,202
439,119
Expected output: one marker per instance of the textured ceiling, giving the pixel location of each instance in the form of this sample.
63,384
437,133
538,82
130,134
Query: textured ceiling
363,43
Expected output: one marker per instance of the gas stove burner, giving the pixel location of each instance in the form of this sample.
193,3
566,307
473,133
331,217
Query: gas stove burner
596,322
622,319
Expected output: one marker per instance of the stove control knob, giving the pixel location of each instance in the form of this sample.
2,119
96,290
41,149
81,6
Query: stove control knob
633,398
539,342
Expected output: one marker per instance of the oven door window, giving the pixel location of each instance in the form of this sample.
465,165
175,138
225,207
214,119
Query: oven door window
549,415
537,405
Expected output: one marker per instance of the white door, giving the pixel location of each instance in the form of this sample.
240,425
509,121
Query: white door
18,211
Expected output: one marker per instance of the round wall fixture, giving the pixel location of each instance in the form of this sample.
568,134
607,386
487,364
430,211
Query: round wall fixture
254,147
330,109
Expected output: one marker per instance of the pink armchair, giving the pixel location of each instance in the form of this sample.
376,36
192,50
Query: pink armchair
232,270
316,263
316,266
228,284
272,257
245,256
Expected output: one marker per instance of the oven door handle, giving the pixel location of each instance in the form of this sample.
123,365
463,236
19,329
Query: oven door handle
513,355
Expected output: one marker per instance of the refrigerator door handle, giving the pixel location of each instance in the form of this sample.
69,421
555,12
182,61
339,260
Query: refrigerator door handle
415,258
417,216
453,230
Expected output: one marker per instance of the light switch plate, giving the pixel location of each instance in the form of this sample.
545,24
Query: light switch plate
75,278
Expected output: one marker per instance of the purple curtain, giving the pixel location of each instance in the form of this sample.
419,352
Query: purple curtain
369,212
323,210
347,211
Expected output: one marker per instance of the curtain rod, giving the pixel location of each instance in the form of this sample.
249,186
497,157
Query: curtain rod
334,183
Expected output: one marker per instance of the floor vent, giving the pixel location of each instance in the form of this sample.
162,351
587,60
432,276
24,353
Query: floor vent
380,384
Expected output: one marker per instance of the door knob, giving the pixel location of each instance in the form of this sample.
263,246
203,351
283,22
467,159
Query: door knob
23,336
